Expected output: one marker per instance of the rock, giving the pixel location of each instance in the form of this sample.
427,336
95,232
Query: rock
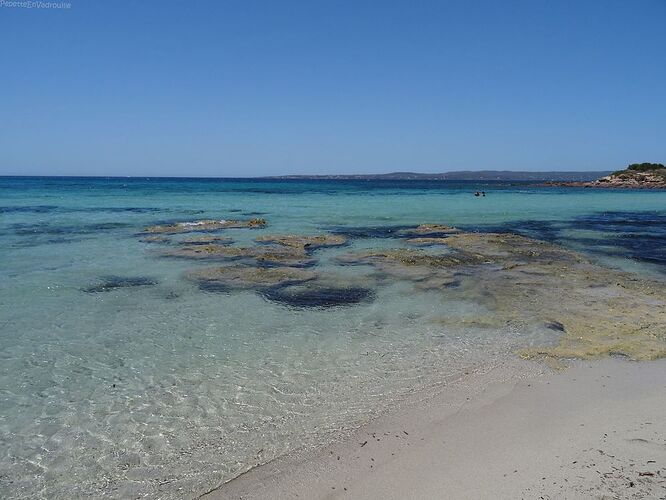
256,222
280,257
426,242
555,325
244,278
211,251
205,225
264,255
304,242
409,257
156,239
432,230
510,248
313,295
206,240
437,281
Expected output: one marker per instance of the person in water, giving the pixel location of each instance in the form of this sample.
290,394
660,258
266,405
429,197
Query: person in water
477,194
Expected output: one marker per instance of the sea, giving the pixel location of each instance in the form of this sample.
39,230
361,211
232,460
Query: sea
120,377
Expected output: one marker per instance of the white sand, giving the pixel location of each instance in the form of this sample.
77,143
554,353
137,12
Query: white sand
595,430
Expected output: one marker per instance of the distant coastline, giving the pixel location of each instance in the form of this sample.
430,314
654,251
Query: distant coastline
462,175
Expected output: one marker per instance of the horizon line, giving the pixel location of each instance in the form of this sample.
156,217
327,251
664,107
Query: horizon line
278,176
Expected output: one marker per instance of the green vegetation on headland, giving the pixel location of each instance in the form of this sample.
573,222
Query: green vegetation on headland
646,167
652,168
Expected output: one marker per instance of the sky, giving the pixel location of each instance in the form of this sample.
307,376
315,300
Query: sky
248,88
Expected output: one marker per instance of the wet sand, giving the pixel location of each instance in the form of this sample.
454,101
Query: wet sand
521,430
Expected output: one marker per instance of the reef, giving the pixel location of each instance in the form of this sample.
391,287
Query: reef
431,230
226,278
588,309
598,311
426,242
207,251
292,287
313,295
411,258
304,242
205,225
262,255
155,239
206,240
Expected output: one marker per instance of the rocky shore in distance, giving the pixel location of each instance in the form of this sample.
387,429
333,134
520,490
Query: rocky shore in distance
635,176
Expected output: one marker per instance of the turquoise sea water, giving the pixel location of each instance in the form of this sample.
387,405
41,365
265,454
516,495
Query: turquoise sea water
163,389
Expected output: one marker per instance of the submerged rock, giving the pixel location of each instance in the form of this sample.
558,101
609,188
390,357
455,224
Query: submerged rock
589,310
506,247
409,257
264,255
206,251
109,283
600,311
206,225
313,295
304,242
369,232
555,325
294,287
228,278
426,242
156,239
206,240
279,257
431,230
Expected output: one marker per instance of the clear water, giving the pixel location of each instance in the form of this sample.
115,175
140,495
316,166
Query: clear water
167,390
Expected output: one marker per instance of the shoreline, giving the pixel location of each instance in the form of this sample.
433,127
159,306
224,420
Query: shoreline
516,430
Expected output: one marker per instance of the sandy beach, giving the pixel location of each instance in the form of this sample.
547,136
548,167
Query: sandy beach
593,430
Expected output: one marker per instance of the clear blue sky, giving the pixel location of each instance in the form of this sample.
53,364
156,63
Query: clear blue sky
242,87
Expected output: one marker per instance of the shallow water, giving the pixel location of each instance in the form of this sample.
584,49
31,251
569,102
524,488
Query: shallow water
120,377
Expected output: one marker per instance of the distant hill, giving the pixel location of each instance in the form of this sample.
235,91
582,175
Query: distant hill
464,175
